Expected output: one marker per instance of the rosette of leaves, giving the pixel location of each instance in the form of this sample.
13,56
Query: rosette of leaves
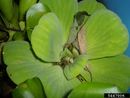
62,61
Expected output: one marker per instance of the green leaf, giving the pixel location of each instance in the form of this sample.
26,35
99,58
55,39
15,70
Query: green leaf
105,35
90,6
31,88
74,69
7,9
18,36
47,38
24,5
93,90
22,65
18,57
65,10
55,83
9,13
33,15
114,70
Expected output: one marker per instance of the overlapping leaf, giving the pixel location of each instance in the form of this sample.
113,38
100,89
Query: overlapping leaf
114,70
47,38
33,15
65,10
55,82
21,63
105,35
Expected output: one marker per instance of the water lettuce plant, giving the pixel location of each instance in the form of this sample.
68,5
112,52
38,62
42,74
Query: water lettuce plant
72,47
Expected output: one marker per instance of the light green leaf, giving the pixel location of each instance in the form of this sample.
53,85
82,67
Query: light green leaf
33,15
55,83
47,38
65,10
93,90
90,6
21,63
114,70
74,69
105,35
